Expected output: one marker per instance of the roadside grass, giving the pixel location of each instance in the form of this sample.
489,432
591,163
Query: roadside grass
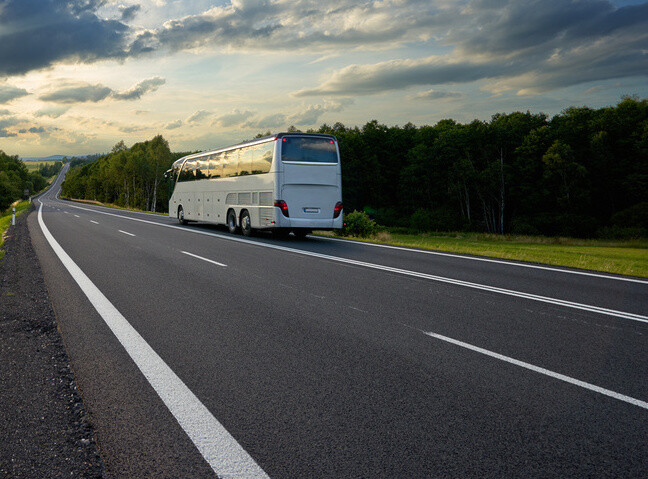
611,256
5,220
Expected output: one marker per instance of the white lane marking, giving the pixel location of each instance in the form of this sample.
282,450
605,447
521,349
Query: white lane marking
77,216
223,453
93,221
126,233
442,279
66,212
487,260
204,259
546,372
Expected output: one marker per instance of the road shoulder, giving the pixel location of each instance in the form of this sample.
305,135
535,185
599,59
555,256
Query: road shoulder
46,431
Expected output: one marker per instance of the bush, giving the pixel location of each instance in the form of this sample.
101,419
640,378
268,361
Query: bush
359,225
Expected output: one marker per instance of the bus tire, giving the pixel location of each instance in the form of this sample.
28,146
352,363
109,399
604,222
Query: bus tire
246,223
181,218
231,222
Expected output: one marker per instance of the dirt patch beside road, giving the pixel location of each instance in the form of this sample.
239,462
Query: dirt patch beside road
44,430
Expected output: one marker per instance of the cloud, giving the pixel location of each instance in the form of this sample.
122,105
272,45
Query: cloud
35,34
529,46
198,116
270,121
4,112
128,13
235,118
9,92
312,113
436,95
79,92
400,74
173,125
35,129
145,86
6,122
52,111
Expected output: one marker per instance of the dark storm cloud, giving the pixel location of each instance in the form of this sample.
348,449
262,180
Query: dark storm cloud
34,34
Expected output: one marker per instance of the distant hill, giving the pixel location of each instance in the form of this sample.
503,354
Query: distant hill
45,158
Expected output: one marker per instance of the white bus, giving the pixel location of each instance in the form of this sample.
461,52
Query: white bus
284,182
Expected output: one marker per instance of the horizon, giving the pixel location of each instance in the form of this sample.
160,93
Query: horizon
205,74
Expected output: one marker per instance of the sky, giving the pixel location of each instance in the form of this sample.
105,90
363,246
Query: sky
78,76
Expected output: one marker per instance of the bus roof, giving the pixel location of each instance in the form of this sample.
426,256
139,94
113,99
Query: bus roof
250,142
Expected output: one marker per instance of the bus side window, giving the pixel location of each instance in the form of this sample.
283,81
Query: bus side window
230,163
202,171
262,158
187,173
215,166
245,161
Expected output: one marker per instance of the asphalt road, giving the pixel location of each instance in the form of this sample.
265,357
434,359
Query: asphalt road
324,358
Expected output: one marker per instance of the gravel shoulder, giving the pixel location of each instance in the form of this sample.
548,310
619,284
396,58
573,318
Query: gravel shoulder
45,431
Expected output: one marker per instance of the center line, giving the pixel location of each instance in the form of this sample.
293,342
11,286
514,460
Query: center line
93,221
126,233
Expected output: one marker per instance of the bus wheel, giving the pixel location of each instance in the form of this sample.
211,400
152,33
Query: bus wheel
246,224
181,216
231,222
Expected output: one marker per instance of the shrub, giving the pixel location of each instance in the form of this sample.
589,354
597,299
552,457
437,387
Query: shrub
358,224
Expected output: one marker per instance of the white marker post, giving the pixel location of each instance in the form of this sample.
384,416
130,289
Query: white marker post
13,217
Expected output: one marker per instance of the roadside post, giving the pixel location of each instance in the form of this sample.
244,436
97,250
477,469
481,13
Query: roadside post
13,217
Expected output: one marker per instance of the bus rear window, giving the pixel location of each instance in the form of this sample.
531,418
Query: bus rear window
308,150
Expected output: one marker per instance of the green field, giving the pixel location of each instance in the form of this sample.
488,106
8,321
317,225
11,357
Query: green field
35,165
620,257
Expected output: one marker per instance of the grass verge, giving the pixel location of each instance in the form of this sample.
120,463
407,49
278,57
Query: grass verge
619,257
5,220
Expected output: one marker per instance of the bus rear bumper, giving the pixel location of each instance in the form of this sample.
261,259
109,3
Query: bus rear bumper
308,223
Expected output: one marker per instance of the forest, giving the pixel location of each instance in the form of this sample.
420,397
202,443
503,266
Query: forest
15,179
581,173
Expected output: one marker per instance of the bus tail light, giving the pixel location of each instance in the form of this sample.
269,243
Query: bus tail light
281,204
337,210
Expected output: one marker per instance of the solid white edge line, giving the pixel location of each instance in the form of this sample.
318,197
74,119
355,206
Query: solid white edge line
442,279
126,232
546,372
487,260
223,453
204,259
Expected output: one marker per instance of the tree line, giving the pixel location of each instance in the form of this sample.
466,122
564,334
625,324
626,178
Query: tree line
582,173
131,177
15,179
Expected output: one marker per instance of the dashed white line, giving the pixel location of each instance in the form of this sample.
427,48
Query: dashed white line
77,216
546,372
219,448
204,259
93,221
126,233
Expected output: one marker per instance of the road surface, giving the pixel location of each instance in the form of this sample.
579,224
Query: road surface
200,353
